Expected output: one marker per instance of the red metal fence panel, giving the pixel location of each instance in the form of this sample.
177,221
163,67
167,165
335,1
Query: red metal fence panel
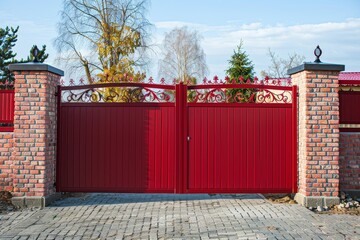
349,103
6,109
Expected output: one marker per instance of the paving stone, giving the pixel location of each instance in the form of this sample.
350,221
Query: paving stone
167,216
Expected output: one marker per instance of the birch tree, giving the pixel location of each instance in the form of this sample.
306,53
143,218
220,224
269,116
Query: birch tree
182,57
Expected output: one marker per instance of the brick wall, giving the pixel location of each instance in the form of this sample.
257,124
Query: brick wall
34,157
6,148
318,132
350,161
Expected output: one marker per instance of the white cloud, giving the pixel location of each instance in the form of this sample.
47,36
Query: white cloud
339,41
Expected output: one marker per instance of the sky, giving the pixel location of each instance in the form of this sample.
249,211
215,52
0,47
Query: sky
285,27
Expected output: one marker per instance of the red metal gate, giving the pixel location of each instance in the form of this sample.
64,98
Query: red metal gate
116,138
211,138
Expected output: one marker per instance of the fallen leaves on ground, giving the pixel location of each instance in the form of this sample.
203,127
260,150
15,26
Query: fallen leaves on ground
280,198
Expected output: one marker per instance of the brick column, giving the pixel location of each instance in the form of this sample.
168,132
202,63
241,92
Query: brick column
318,133
33,158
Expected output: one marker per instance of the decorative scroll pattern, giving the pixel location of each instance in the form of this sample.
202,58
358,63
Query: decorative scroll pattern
241,80
117,94
205,81
214,95
6,85
240,96
349,88
82,81
273,96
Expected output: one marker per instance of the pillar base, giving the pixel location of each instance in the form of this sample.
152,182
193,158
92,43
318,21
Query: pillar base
311,201
40,202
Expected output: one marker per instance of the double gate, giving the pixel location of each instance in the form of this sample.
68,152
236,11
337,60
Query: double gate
157,138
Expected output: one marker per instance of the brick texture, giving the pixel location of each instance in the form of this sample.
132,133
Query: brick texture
350,161
34,155
318,132
6,148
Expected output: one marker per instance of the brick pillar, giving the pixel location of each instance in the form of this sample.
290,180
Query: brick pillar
318,133
33,158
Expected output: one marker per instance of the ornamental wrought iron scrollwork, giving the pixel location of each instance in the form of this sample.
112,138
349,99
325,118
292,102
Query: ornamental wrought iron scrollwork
220,95
256,94
108,92
6,85
286,82
89,95
349,87
118,94
211,91
273,96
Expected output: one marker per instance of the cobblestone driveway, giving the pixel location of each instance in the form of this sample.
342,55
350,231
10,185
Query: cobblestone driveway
146,216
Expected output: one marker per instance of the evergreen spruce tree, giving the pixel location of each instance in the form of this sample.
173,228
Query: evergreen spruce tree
8,38
42,56
240,66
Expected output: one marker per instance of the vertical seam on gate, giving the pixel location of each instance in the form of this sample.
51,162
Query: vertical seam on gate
58,138
178,142
185,141
295,139
181,138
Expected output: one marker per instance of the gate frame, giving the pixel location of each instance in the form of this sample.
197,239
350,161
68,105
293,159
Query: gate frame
181,124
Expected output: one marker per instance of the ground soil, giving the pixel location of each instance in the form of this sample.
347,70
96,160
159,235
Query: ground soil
280,198
336,210
289,199
5,202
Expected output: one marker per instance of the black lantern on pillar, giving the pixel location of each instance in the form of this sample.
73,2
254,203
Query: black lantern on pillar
317,53
35,53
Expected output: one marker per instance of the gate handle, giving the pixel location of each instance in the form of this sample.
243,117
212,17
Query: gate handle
188,138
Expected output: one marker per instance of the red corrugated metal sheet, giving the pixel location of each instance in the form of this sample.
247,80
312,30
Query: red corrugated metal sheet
349,100
349,104
240,148
117,148
7,108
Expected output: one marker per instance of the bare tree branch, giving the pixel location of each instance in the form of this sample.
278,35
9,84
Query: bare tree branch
279,66
87,23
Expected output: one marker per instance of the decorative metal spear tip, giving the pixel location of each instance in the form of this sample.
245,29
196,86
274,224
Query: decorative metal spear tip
35,53
317,53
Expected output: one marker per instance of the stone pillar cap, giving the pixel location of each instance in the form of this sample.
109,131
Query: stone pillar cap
313,66
31,66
